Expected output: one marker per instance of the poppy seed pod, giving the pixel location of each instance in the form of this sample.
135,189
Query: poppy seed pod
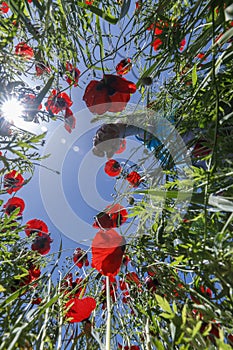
147,81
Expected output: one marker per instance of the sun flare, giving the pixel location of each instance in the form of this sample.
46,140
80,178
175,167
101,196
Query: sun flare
12,109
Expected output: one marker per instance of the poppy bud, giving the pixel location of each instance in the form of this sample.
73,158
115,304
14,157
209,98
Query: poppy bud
124,66
134,178
147,81
131,200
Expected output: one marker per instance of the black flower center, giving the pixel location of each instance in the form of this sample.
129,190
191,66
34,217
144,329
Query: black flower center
60,102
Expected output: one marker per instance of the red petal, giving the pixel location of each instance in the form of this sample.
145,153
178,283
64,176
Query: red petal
107,252
158,31
96,97
157,43
36,225
80,309
103,221
119,101
4,7
117,213
14,203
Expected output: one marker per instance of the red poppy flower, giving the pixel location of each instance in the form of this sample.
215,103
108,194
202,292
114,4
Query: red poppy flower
4,7
132,277
205,291
70,121
113,216
182,44
215,330
109,94
151,284
122,146
58,102
13,181
14,203
107,252
200,150
69,285
88,2
33,274
42,243
81,289
123,285
124,66
201,55
180,286
103,221
126,260
230,338
112,167
36,301
24,50
36,226
157,43
80,309
161,28
74,74
80,258
138,5
186,221
29,1
118,214
134,178
158,30
41,68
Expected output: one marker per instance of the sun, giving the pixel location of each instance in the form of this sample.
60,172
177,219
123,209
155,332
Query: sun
11,109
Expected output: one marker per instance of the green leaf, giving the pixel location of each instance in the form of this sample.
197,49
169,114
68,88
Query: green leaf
194,75
2,289
37,138
196,328
177,261
18,153
163,303
43,92
168,316
174,306
184,314
159,345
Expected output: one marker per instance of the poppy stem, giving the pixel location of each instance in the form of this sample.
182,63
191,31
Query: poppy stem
108,328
